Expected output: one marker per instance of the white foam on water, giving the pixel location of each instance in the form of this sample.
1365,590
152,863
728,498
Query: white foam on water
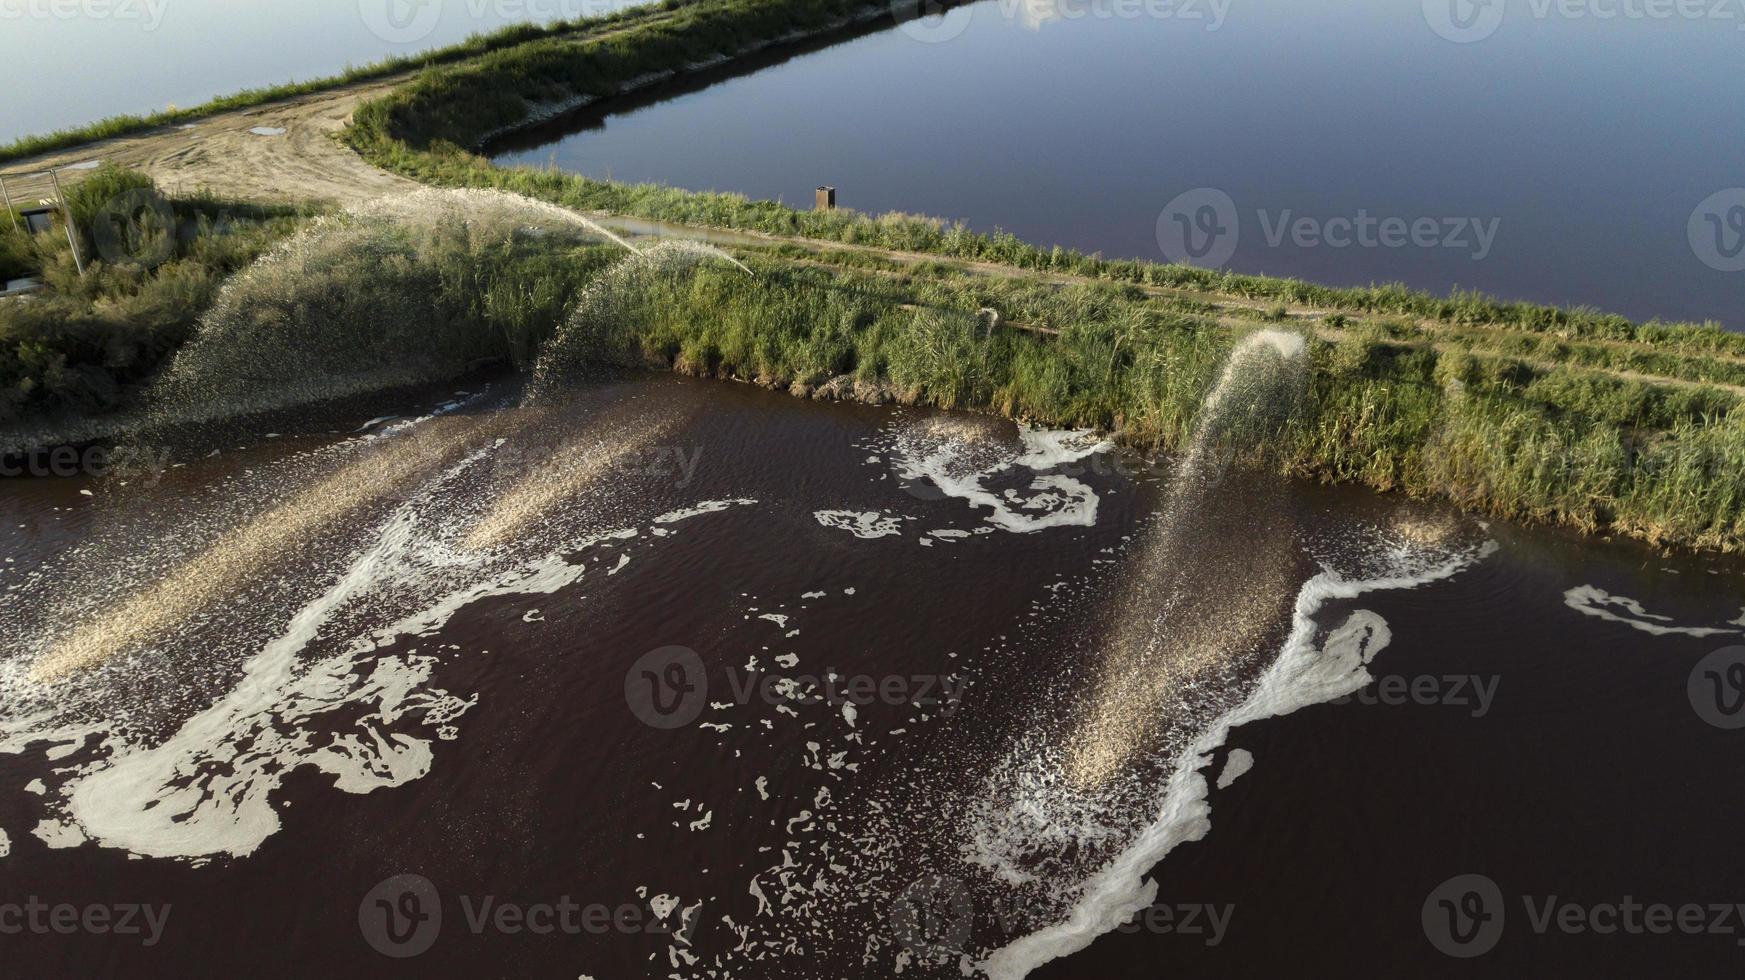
1593,601
5,844
705,507
959,465
1239,762
206,789
148,801
154,801
1046,448
1304,673
868,524
58,834
796,899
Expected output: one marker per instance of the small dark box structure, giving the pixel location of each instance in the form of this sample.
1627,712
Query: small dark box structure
38,220
825,199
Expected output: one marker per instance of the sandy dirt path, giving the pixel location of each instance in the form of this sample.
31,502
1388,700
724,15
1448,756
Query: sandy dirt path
279,152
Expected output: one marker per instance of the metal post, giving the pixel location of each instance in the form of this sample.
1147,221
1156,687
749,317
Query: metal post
72,236
7,196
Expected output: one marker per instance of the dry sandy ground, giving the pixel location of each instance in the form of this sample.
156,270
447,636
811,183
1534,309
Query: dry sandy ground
244,155
224,154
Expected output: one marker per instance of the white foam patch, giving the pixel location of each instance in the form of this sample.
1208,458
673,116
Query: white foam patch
870,524
1593,601
1303,674
5,844
962,469
697,510
58,834
1237,764
1046,448
205,790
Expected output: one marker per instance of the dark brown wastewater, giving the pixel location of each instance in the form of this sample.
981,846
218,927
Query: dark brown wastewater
689,679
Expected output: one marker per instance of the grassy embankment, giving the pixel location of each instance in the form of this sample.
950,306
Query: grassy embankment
342,293
81,344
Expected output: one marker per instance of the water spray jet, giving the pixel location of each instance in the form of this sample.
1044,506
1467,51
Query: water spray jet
253,550
1213,571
